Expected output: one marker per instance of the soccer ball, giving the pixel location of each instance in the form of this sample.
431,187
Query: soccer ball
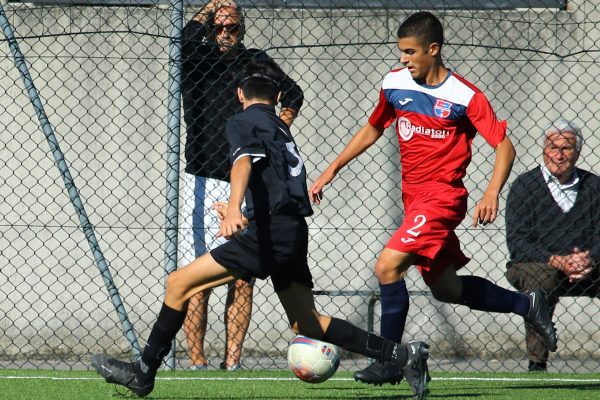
312,360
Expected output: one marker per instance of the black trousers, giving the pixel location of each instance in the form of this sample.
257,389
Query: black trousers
526,276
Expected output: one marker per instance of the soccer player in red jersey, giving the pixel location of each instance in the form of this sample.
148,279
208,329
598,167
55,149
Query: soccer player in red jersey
436,115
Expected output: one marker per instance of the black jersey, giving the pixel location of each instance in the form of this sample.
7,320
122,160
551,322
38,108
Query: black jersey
278,180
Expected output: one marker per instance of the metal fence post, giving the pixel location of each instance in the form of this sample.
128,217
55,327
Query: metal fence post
72,190
173,137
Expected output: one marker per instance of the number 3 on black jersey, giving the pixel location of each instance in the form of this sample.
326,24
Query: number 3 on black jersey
297,169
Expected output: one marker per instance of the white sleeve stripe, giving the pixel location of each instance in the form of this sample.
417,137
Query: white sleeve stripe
255,157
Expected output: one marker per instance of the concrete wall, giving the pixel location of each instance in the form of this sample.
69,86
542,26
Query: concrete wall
102,75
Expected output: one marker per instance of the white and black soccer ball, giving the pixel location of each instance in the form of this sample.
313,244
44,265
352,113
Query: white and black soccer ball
312,360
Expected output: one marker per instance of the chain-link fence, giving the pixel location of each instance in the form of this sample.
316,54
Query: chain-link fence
84,180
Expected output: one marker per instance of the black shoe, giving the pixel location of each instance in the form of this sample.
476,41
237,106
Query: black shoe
122,373
538,318
380,372
537,366
416,372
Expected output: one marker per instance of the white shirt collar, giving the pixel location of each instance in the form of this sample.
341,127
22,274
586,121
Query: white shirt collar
548,177
564,194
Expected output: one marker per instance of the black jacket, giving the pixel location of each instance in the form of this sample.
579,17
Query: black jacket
210,99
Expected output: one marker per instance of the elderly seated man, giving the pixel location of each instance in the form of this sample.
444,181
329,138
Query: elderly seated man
553,228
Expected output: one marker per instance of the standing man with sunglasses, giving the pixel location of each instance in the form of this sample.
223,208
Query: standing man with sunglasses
213,54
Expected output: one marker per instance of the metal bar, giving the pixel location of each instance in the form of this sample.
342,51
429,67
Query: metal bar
340,4
371,311
373,296
365,293
72,190
173,140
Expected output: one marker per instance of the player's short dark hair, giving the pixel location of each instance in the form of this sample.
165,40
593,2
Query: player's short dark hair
261,79
425,27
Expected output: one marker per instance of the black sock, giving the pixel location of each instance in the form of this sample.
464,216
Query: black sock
349,337
161,337
481,294
394,309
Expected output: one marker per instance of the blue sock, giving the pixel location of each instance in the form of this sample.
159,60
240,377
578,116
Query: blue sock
394,308
481,294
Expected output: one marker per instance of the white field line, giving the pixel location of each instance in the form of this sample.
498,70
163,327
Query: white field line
465,379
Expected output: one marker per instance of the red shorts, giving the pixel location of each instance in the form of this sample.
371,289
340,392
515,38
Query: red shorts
432,212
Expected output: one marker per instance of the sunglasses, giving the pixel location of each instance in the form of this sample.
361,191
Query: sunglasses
232,29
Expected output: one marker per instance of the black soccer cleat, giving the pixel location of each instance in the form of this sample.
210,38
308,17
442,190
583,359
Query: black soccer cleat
380,372
415,371
538,318
122,373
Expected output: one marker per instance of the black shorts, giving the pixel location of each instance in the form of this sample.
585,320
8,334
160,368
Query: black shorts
275,246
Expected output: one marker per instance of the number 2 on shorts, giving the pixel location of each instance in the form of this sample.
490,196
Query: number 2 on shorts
420,221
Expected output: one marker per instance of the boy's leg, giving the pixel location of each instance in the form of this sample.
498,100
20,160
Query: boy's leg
195,325
410,360
205,227
191,245
238,310
394,309
390,271
299,306
202,274
426,229
480,294
298,303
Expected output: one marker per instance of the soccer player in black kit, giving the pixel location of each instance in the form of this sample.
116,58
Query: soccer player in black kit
269,240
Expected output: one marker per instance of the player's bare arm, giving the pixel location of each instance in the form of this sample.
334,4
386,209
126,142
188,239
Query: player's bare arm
363,139
240,175
486,210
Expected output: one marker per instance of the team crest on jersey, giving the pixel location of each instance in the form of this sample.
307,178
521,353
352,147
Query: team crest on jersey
404,128
442,108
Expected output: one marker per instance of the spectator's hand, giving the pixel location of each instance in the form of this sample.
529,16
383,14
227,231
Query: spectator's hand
560,263
225,3
581,258
211,7
221,208
232,221
580,264
575,266
315,193
574,277
487,210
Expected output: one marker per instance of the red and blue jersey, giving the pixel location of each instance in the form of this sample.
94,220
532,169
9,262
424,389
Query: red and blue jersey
435,125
